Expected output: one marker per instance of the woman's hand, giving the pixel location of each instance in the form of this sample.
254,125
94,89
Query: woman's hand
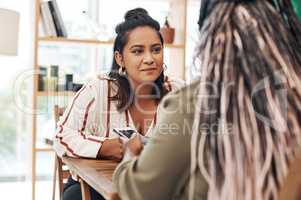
111,149
114,196
135,145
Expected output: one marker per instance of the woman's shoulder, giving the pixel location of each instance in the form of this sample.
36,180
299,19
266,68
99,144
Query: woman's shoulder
97,84
94,88
103,79
99,80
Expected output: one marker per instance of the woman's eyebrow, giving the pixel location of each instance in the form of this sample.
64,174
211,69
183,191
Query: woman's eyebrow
137,46
156,44
142,46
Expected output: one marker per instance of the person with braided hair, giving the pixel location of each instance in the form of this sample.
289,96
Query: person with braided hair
126,98
239,124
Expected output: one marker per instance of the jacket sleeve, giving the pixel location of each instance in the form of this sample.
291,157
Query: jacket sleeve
73,137
164,161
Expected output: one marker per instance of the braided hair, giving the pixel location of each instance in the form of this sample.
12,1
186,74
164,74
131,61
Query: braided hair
250,57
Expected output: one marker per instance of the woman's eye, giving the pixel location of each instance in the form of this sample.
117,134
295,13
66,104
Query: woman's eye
157,50
137,51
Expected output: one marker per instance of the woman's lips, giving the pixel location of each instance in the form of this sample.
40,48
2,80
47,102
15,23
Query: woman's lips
148,69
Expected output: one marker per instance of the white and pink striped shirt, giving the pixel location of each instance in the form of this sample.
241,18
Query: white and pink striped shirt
91,116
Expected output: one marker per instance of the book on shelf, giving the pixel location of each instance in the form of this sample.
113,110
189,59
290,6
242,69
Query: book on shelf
57,18
42,78
50,80
52,20
47,20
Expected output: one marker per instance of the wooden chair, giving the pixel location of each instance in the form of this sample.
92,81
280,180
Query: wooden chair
61,170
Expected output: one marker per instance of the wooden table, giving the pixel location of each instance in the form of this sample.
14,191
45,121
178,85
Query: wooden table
95,173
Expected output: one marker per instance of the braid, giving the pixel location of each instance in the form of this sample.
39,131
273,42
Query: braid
249,64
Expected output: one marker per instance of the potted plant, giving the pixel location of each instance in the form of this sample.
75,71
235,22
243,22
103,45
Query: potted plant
167,32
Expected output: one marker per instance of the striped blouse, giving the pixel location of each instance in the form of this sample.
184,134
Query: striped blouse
91,116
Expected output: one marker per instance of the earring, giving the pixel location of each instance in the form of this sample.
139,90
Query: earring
164,67
121,71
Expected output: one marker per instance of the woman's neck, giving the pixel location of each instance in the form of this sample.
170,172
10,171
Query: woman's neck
142,91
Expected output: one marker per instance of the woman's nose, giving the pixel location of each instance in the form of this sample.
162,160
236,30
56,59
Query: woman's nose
148,58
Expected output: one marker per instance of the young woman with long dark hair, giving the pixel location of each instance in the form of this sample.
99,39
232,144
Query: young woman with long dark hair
127,97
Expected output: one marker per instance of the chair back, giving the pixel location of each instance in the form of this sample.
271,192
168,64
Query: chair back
58,112
61,170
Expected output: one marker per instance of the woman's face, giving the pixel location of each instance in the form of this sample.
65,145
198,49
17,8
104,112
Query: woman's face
142,55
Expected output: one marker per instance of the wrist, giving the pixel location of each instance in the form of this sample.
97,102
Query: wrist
128,155
99,153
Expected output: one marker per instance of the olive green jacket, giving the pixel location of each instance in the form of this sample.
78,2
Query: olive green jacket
162,170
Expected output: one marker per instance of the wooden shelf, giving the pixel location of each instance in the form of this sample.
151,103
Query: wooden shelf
93,42
55,93
44,149
77,41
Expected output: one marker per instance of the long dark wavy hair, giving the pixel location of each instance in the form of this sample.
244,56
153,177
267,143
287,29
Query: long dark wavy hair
253,47
137,17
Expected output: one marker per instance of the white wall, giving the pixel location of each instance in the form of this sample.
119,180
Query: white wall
17,162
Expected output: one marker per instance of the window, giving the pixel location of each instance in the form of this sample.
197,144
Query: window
15,122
